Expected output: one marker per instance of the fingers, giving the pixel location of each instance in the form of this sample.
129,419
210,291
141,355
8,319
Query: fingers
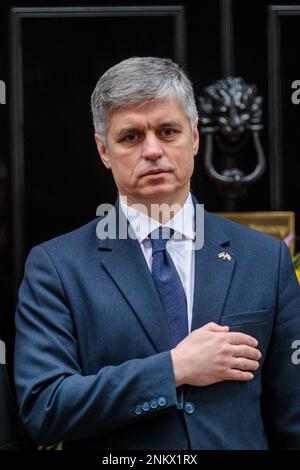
245,356
246,351
242,338
233,337
240,375
241,363
216,328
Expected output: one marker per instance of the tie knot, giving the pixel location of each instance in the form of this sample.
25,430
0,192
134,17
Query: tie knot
159,238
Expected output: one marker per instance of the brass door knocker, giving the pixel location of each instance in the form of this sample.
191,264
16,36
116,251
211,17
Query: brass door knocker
230,117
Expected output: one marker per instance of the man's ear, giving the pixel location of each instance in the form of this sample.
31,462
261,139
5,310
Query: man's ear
196,137
103,152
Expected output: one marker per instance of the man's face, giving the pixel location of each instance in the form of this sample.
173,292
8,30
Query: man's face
150,149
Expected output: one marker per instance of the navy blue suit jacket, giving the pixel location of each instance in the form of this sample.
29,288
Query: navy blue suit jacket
92,360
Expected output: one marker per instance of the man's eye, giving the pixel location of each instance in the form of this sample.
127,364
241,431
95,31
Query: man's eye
168,132
131,137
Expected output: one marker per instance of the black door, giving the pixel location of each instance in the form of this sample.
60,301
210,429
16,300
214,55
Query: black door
50,59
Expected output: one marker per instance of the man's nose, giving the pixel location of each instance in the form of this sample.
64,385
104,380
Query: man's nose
152,148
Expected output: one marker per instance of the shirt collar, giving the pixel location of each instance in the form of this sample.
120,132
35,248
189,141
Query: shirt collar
182,223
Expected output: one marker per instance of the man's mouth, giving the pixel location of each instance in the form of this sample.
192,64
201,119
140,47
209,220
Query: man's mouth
156,171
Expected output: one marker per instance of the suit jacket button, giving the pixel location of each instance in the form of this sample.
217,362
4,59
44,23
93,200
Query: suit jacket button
189,408
146,406
162,401
153,404
138,410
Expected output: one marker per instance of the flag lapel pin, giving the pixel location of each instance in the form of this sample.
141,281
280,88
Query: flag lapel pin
225,256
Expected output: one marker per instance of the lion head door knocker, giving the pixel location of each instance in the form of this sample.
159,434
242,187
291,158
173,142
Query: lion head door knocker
230,117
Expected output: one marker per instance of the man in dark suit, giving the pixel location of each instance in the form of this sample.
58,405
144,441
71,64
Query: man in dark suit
155,326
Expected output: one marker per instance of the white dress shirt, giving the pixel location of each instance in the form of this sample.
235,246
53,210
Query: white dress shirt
180,246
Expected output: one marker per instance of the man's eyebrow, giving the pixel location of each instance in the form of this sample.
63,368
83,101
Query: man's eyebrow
131,129
169,124
125,131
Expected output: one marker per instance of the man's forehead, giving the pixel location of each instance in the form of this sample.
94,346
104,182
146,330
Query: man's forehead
161,111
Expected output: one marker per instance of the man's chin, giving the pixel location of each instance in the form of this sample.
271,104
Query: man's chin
156,194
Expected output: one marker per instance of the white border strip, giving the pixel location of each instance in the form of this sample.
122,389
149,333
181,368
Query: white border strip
2,353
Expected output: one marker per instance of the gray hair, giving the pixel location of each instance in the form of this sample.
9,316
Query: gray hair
139,79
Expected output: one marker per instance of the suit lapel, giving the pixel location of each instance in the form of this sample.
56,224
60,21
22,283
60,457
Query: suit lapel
212,274
126,265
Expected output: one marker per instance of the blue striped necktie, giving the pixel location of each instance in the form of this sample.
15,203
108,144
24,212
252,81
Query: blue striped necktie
169,286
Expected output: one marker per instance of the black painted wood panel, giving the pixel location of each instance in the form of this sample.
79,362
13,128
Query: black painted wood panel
54,178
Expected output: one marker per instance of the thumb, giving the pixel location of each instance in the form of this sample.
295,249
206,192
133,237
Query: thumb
216,328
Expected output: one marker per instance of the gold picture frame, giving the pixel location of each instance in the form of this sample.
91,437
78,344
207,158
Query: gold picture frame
279,224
